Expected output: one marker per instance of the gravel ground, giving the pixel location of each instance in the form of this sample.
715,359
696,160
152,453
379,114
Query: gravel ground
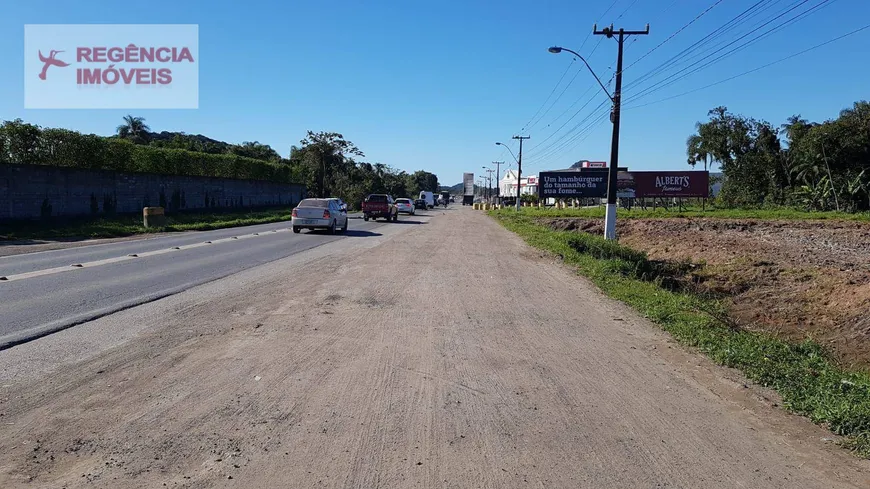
393,363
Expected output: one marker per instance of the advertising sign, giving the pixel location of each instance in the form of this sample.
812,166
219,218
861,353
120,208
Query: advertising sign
664,184
468,183
573,185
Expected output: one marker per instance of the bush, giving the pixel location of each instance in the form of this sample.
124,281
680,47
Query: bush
22,143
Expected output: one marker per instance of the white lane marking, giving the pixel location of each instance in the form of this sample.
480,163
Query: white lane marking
131,256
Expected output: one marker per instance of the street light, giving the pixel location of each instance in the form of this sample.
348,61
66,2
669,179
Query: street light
507,148
558,49
610,213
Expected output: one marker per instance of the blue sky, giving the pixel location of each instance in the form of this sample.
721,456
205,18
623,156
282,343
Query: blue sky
433,85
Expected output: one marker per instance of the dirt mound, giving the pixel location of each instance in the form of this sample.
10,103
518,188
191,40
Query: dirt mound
797,279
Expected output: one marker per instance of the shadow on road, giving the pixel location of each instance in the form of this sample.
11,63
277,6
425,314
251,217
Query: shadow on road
406,221
356,233
351,233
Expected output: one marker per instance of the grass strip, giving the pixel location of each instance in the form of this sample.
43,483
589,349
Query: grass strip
129,225
809,381
712,213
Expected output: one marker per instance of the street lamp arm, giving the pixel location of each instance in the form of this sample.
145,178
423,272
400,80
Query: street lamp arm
509,150
556,49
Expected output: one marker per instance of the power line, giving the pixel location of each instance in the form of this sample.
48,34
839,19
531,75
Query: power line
682,56
681,29
755,69
526,125
581,70
570,136
541,143
550,95
576,139
682,74
536,149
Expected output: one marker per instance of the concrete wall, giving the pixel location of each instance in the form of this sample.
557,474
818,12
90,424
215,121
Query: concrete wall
32,191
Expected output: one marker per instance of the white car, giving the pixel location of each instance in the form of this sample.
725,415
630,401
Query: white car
313,214
429,197
405,205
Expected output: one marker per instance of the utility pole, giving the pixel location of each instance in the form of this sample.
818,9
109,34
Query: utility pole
489,183
610,215
520,168
497,184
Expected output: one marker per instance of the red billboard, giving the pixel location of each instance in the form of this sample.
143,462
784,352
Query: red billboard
665,183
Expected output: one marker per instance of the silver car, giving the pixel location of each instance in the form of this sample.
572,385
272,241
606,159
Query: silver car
406,206
313,214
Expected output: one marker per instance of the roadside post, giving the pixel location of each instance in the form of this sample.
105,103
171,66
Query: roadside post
153,217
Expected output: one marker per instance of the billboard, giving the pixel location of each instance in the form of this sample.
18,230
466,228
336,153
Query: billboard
573,185
468,183
664,184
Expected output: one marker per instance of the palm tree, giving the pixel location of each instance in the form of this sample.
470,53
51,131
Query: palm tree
134,128
696,149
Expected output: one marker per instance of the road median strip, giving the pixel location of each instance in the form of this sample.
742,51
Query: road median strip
808,379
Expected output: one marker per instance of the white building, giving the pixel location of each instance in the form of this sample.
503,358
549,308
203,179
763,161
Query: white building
508,184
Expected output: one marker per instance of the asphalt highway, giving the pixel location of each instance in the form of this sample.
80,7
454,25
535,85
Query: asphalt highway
44,292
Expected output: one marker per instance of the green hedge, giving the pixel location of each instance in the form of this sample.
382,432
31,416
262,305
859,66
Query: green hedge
22,143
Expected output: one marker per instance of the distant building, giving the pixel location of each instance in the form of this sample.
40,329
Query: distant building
508,184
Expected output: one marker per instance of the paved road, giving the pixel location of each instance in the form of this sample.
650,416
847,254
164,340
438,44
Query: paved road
43,292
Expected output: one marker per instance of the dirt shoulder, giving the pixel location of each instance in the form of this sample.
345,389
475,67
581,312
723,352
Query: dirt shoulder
797,279
474,363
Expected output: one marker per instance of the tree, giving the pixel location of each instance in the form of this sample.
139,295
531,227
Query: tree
422,180
324,154
134,129
255,150
819,166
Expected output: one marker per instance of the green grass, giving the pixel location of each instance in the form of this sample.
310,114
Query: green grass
808,380
637,213
130,225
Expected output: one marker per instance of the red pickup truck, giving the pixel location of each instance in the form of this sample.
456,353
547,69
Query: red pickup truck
380,205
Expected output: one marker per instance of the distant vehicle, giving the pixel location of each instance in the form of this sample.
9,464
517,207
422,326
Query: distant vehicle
420,204
446,196
468,188
452,199
314,214
405,205
429,197
380,205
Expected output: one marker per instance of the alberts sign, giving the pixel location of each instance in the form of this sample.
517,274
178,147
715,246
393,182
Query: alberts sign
668,183
573,185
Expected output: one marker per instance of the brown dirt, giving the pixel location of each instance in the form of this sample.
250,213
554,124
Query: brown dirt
798,279
474,363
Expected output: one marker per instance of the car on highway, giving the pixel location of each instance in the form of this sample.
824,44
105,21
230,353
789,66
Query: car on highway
313,214
420,204
406,206
429,197
380,205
